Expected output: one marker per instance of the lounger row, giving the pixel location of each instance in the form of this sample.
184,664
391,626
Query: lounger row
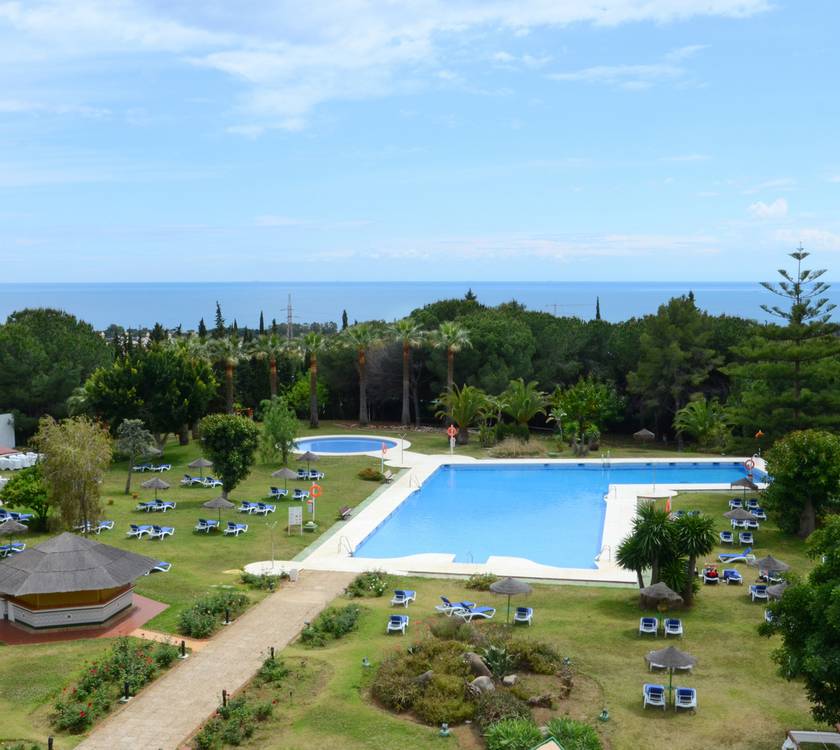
654,695
153,532
95,527
142,468
190,481
670,626
751,504
744,537
277,493
157,506
311,475
256,509
729,575
231,529
18,461
10,515
749,525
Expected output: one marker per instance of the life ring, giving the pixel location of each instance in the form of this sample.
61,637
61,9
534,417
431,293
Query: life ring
749,464
315,490
452,430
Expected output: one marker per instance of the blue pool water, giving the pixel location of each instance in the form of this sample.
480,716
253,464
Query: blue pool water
551,514
347,444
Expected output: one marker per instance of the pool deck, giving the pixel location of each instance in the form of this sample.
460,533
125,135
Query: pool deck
334,551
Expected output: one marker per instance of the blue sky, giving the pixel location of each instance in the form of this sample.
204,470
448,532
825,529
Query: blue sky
426,139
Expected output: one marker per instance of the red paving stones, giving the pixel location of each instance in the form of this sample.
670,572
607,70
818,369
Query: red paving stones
140,613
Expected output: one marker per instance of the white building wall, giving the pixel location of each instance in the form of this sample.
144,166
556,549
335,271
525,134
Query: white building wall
7,430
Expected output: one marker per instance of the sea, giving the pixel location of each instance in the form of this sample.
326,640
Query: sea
140,305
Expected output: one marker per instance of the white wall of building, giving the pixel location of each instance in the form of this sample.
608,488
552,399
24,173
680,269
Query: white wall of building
7,430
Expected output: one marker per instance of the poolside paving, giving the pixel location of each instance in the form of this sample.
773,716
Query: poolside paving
167,712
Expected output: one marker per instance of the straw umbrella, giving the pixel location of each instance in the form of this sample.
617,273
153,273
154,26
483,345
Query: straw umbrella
201,464
285,474
155,483
739,514
219,503
644,435
776,590
671,658
510,587
746,483
309,457
658,593
10,527
770,565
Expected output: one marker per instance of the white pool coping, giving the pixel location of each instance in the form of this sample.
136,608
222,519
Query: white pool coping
335,551
401,445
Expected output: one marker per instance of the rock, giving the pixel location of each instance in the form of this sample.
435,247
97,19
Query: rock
481,685
509,680
541,701
425,678
477,665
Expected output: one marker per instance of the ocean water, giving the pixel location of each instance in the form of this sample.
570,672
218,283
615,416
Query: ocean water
144,304
551,514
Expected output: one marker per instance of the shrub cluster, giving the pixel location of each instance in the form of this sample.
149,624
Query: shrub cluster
103,681
371,475
574,735
232,724
513,734
497,706
535,656
264,581
512,447
205,615
332,623
481,581
370,583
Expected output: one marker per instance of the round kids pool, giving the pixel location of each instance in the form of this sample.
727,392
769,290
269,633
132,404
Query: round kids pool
346,445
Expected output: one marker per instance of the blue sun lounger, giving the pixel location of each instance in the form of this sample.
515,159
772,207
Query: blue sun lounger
730,575
263,509
726,537
138,530
397,624
523,614
277,492
448,607
685,698
235,529
672,626
12,549
301,494
648,625
731,557
758,591
161,567
161,532
746,537
468,614
403,597
206,525
653,695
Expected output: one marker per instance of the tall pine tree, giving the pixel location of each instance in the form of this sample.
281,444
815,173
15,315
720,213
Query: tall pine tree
202,329
262,324
597,308
788,376
219,330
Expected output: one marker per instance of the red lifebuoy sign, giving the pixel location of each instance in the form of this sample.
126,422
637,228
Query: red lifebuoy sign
315,490
452,430
749,464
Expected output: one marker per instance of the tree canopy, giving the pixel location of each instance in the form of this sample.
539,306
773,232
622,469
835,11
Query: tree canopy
231,442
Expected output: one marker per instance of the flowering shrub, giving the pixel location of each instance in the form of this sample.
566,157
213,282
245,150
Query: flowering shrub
232,724
204,616
103,681
331,623
370,583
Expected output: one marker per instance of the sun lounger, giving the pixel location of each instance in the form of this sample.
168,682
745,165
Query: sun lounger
189,481
161,567
11,549
301,494
726,537
302,474
736,524
397,624
103,526
468,614
751,525
20,517
678,514
206,525
649,625
277,492
746,537
146,505
752,503
731,557
314,475
235,529
730,575
388,476
211,482
710,578
685,698
653,695
161,532
758,591
160,467
263,509
247,507
140,468
672,626
523,614
344,513
164,505
448,607
138,530
735,503
759,514
403,597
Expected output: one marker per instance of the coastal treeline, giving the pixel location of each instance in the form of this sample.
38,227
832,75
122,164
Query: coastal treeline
682,373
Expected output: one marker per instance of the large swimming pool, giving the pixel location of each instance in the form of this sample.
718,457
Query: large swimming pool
549,513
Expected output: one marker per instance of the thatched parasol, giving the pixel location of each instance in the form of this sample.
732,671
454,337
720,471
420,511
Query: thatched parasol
219,503
744,483
285,474
201,464
10,527
670,658
651,596
309,457
644,435
155,483
739,514
770,565
776,590
510,587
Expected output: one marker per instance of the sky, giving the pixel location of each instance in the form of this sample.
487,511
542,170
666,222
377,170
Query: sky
212,140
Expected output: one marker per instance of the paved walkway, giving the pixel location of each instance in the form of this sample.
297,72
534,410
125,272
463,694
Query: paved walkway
172,708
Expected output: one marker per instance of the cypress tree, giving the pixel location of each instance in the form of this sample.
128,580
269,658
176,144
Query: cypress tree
219,330
597,308
158,334
274,326
262,324
202,329
344,322
788,377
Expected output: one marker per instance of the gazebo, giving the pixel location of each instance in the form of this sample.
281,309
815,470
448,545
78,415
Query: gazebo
69,581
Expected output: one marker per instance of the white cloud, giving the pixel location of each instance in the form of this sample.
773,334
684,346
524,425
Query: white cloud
775,210
290,57
811,238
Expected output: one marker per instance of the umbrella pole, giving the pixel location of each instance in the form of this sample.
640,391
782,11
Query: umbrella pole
508,612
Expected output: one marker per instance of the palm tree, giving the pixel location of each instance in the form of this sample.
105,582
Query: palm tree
311,344
228,352
362,337
630,556
410,335
465,406
654,533
453,338
270,347
695,537
704,420
523,401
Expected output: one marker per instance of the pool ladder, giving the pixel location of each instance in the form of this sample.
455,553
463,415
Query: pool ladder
344,544
605,554
413,482
605,461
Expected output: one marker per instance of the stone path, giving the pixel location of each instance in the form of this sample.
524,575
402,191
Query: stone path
164,715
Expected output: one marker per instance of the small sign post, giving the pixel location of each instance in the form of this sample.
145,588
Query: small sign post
382,459
296,518
452,431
